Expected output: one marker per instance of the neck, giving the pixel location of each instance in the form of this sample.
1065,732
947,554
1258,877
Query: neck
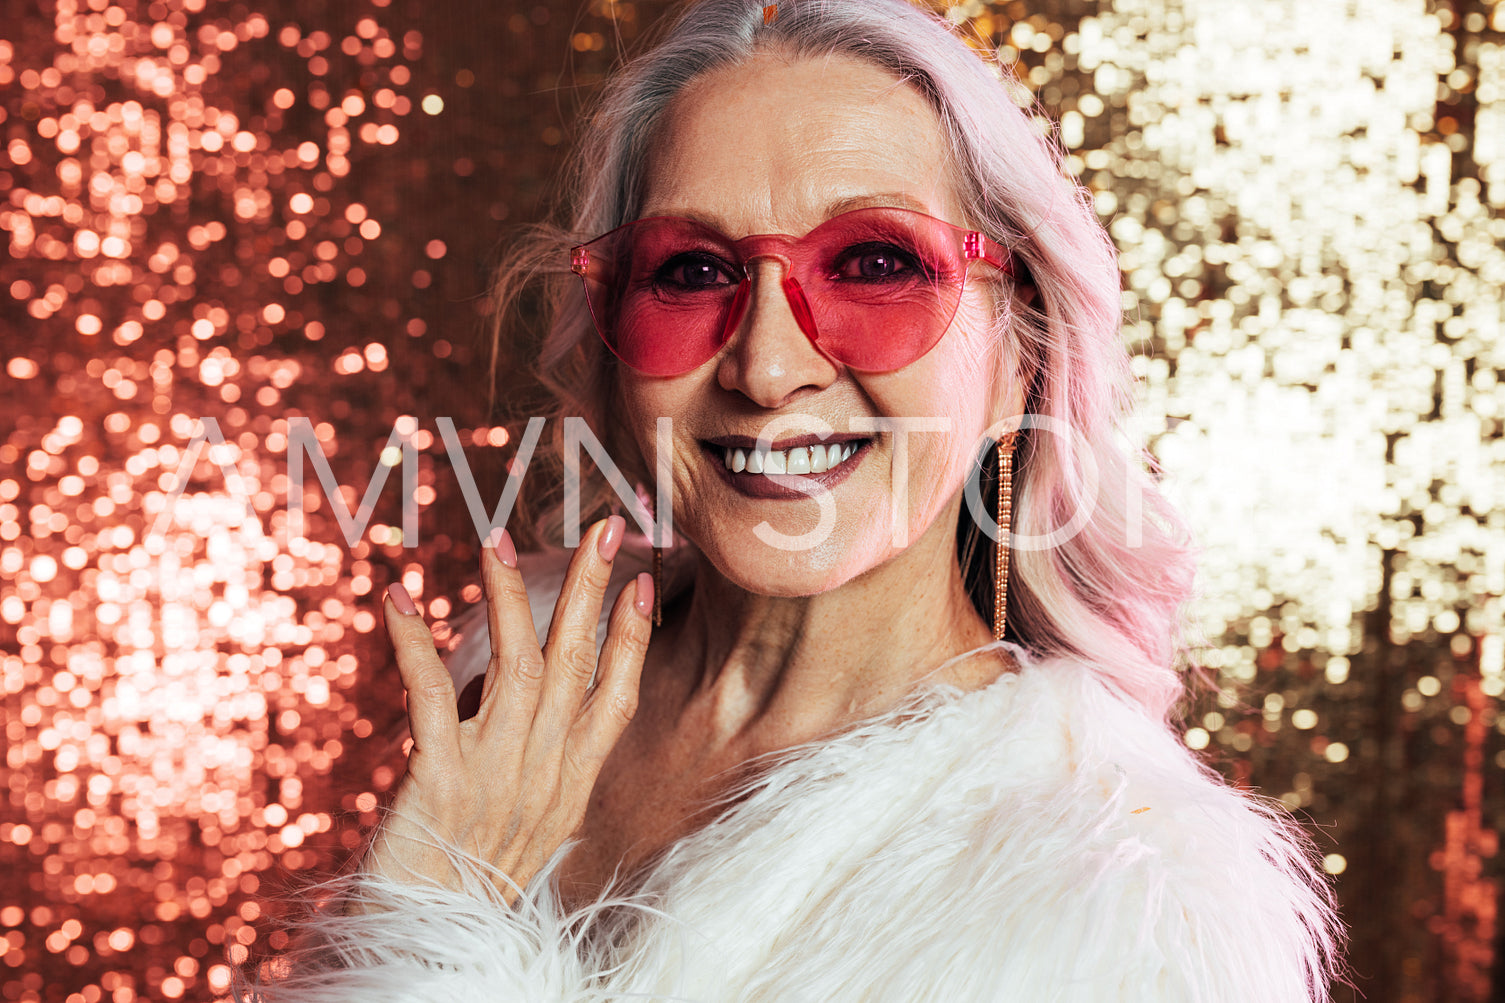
762,672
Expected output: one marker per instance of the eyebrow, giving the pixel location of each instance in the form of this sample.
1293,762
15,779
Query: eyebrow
897,200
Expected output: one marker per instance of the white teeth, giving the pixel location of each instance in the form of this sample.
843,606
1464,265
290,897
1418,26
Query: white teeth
801,460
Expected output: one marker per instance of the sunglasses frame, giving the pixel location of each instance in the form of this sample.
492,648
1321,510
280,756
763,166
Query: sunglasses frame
972,245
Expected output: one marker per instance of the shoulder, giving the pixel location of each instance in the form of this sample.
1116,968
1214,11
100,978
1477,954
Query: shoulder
1207,891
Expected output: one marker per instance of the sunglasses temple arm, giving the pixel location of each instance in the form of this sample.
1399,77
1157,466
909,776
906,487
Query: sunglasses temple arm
994,253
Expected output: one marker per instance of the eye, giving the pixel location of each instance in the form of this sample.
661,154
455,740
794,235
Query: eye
693,271
876,262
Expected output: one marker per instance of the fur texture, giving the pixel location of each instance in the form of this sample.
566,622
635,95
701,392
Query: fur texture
1038,840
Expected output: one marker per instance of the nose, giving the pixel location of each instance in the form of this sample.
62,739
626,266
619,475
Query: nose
771,358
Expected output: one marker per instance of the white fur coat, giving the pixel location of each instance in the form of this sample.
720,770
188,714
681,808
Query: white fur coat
1038,840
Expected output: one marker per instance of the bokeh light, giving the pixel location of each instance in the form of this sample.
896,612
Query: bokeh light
255,215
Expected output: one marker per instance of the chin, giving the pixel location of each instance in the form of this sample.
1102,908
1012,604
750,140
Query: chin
760,568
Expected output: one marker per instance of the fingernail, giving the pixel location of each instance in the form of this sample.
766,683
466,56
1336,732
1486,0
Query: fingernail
401,599
505,551
611,537
644,599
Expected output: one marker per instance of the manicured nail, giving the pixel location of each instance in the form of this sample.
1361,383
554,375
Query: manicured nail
401,599
505,551
611,537
644,599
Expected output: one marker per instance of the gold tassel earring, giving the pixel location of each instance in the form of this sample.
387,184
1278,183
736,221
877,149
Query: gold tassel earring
1001,551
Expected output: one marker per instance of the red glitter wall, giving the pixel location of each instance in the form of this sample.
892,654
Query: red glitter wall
255,213
248,214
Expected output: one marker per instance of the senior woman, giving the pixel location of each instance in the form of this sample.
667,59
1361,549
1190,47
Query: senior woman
830,249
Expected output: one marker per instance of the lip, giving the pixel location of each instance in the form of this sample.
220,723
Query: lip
793,442
780,486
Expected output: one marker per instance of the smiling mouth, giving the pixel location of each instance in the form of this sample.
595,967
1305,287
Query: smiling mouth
816,459
769,472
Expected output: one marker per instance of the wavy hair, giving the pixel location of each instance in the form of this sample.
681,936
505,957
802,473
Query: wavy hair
1111,592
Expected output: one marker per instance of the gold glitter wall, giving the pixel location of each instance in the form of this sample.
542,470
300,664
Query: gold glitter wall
257,213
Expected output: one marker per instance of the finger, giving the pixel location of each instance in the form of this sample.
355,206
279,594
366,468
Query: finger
515,673
613,702
432,717
570,655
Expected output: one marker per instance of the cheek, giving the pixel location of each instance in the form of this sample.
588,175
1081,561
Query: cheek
941,462
642,402
960,388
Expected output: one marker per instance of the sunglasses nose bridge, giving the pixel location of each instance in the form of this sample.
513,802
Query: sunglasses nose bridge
770,255
764,252
793,294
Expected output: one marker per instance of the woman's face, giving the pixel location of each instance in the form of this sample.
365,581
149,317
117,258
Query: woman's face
778,147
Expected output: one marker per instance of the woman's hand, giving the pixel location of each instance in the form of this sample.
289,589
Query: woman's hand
511,784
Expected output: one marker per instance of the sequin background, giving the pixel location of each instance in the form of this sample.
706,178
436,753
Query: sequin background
255,212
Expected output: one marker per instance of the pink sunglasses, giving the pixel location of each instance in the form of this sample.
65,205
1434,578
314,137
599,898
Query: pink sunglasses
873,289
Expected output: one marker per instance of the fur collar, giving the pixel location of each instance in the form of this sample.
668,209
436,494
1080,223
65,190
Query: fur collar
1036,840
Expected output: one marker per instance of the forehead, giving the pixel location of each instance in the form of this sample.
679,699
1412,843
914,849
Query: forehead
774,145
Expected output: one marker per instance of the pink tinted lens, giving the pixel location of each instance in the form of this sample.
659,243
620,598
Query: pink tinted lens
660,291
882,285
874,289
